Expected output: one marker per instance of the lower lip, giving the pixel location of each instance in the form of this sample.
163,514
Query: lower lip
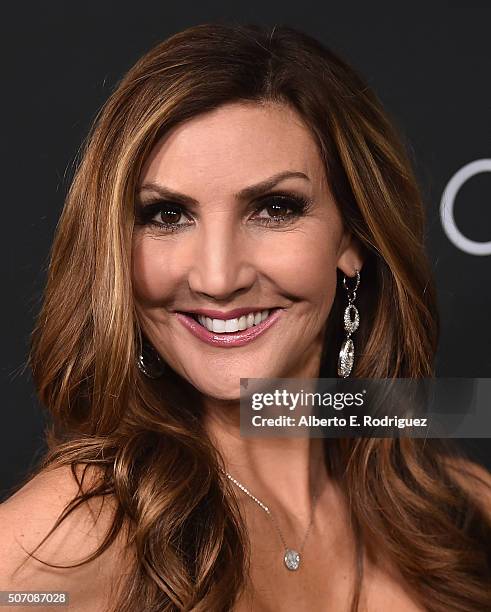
229,338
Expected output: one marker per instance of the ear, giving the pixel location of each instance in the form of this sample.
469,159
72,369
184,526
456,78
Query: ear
350,255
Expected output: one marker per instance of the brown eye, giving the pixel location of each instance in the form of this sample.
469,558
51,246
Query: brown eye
169,216
276,210
280,209
163,215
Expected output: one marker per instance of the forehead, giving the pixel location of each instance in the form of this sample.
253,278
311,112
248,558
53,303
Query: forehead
236,143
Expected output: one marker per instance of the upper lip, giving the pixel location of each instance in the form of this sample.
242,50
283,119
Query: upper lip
229,314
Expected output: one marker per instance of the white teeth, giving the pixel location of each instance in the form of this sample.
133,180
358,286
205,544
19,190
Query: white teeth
220,326
232,325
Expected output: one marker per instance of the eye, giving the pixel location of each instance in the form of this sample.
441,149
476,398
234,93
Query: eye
169,216
276,209
163,215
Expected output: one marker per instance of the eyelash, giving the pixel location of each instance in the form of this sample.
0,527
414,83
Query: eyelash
298,204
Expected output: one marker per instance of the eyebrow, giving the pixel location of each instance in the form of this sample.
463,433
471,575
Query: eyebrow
253,191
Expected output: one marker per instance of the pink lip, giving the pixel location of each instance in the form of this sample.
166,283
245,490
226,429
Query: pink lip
229,338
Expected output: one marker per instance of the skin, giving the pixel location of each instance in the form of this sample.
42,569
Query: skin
225,259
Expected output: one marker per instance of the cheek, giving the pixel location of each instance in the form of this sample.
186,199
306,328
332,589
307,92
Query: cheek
304,264
152,271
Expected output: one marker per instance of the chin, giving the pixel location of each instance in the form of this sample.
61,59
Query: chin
221,392
228,389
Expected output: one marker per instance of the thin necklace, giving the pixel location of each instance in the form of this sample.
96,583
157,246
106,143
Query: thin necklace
291,557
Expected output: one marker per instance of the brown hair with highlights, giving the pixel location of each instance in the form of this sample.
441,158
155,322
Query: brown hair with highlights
145,437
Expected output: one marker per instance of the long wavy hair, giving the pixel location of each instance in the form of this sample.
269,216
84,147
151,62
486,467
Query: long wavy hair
145,437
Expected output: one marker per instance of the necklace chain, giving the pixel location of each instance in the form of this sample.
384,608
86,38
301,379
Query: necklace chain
273,520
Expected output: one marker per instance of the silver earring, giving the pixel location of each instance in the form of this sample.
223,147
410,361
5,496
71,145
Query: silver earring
347,352
150,363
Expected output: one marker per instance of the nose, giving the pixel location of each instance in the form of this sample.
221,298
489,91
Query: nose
222,262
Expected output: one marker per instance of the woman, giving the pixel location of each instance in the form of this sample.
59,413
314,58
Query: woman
239,189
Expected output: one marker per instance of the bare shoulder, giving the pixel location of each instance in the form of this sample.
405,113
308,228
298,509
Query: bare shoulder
474,478
28,516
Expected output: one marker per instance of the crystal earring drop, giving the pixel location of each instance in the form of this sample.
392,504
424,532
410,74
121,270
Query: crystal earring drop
351,323
149,362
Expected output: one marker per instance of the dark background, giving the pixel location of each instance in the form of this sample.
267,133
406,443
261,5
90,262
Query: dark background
428,62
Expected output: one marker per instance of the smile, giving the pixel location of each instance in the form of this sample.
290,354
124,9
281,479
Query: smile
233,325
229,332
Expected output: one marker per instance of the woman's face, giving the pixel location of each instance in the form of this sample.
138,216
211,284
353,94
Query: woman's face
250,224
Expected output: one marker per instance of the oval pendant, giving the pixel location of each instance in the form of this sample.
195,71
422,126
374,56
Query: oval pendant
292,559
346,358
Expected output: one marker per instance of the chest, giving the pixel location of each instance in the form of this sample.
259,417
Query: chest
318,592
325,579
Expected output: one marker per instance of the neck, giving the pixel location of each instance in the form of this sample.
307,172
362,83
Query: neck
281,472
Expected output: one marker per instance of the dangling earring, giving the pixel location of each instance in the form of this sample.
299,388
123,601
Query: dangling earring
149,362
347,352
